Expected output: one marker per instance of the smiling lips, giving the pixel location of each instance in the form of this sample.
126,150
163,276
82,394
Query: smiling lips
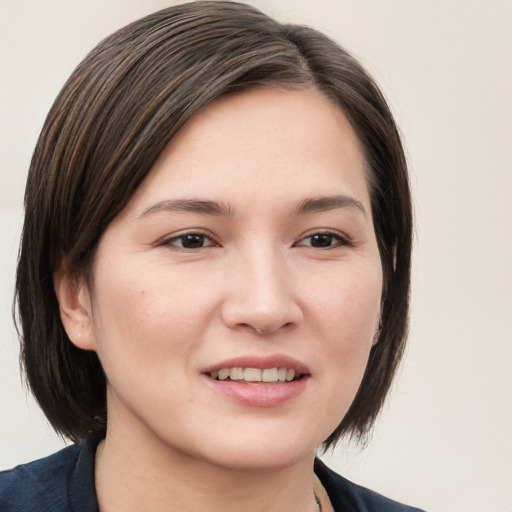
258,382
267,375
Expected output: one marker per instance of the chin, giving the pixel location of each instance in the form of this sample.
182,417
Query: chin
262,462
260,455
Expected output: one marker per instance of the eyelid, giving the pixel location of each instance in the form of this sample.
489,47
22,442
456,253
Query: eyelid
343,240
167,240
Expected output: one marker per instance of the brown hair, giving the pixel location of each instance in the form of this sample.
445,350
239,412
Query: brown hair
110,122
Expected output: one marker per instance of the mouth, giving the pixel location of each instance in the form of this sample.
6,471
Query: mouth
256,381
249,375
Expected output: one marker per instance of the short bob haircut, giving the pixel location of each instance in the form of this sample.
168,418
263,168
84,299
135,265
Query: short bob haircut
112,119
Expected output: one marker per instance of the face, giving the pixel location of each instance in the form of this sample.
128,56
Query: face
248,251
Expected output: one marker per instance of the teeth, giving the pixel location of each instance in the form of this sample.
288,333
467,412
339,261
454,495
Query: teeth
270,375
252,375
255,374
223,374
236,373
290,375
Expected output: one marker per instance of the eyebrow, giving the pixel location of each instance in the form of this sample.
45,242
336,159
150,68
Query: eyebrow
190,205
219,209
322,204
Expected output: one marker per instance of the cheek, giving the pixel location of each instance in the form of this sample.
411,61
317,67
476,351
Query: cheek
144,318
348,313
348,303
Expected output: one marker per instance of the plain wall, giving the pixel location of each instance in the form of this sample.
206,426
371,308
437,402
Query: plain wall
443,441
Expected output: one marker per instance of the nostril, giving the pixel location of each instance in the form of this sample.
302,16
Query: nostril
268,329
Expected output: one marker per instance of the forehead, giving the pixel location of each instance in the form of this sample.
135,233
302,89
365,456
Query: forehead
261,143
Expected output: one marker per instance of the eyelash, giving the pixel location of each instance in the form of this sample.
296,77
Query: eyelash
204,236
340,241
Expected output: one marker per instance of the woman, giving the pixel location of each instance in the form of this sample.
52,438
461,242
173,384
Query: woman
214,269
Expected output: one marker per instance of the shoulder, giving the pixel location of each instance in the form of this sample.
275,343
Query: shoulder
51,484
40,484
349,497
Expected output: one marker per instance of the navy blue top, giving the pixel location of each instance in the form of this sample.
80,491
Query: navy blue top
64,482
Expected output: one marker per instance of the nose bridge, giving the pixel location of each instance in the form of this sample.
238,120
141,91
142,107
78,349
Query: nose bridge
261,295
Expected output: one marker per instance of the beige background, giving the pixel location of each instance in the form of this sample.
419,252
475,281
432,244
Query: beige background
443,442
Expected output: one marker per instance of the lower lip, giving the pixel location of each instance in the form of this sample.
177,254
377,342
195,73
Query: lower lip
259,395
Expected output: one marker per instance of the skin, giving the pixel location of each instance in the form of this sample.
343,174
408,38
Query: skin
258,284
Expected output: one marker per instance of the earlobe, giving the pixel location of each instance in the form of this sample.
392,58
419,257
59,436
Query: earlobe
75,307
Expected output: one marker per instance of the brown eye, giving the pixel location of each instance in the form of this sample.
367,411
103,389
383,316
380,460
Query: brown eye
324,241
190,241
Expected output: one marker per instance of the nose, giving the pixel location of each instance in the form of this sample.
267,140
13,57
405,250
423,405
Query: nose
262,295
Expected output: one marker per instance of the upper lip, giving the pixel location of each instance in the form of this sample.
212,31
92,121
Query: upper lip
273,361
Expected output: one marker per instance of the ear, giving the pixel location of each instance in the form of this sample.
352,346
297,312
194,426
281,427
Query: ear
75,306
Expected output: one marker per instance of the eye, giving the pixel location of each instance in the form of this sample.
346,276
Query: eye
325,240
190,241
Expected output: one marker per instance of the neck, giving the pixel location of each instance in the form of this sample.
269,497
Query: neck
149,475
